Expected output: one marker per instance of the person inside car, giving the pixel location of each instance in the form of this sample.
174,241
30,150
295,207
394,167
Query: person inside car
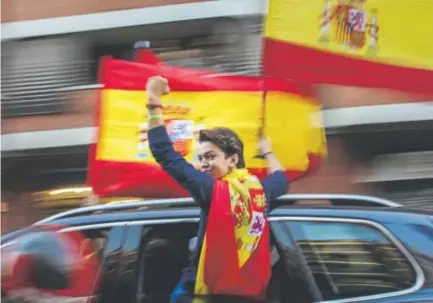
233,248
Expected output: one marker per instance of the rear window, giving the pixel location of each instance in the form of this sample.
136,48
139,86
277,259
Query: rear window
350,260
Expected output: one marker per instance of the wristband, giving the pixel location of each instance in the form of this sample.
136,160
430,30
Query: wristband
153,106
263,155
154,117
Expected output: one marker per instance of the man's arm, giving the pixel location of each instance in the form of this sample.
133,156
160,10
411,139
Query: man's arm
273,162
277,184
200,185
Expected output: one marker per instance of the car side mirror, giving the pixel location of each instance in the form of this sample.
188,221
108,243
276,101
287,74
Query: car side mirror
37,259
51,261
46,273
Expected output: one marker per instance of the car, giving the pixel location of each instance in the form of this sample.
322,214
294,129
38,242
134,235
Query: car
346,248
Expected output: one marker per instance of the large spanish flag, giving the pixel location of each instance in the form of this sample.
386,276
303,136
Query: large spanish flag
375,43
121,163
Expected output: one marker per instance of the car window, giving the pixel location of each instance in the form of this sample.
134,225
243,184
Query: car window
290,281
107,242
164,253
349,260
97,238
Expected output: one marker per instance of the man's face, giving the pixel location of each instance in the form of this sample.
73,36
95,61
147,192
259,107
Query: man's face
214,161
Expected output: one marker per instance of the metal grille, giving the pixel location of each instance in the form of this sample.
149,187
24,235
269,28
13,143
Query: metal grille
233,46
421,199
36,74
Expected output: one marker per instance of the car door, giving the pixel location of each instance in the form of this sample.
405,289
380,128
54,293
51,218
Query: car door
153,257
352,260
156,252
108,240
291,280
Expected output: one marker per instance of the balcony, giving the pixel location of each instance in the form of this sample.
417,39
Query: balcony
21,10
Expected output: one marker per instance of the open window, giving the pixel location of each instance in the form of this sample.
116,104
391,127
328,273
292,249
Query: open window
164,253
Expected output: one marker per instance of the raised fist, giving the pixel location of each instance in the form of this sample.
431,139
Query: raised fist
156,87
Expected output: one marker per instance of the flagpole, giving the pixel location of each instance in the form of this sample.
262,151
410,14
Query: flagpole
261,130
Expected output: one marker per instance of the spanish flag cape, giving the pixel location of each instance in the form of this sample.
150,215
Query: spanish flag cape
235,257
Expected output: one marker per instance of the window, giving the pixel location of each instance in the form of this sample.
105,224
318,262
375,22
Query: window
164,253
118,51
35,70
165,250
349,260
97,239
289,281
107,242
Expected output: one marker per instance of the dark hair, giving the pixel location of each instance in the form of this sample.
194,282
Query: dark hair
227,140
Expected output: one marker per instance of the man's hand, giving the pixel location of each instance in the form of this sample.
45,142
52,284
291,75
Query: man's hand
156,87
265,145
266,150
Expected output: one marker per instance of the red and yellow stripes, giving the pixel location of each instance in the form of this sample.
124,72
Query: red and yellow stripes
375,43
122,163
235,254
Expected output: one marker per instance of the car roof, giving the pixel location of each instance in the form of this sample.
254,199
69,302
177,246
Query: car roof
166,204
342,205
378,214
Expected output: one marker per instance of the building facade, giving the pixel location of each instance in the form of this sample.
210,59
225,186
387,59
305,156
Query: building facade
50,54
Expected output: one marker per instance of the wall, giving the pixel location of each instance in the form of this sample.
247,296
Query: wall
22,10
335,96
335,174
80,113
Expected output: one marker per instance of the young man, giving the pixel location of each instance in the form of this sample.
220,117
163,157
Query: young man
233,247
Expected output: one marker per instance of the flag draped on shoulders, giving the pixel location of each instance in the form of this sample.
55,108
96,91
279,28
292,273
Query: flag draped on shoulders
235,257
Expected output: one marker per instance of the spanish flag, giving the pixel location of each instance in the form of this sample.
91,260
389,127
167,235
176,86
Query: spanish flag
372,43
121,163
235,257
